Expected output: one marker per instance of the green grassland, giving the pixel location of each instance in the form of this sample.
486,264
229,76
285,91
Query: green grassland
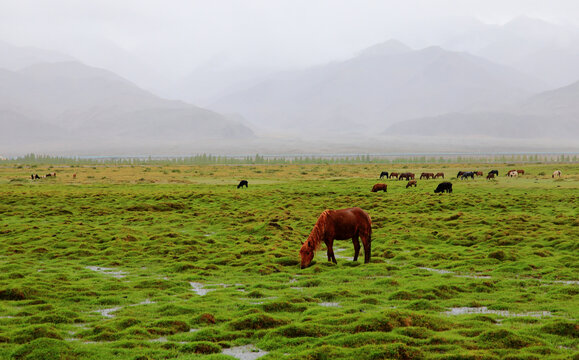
105,266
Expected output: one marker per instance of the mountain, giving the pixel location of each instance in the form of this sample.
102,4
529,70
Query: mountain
18,57
544,50
69,100
551,114
383,84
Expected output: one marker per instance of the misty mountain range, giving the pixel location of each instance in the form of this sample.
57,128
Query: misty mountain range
519,80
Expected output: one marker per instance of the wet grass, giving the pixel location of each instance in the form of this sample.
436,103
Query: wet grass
111,264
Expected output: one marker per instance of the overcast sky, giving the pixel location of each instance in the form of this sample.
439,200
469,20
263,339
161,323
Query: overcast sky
184,34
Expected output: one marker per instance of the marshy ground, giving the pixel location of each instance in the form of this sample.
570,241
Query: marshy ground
165,262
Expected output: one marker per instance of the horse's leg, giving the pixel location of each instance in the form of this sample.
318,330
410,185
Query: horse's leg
330,246
356,242
367,241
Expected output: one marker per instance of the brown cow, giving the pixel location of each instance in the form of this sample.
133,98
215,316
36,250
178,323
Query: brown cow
438,175
378,187
411,183
407,176
393,175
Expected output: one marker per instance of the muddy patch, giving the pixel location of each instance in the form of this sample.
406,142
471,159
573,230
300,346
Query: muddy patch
485,310
246,352
108,271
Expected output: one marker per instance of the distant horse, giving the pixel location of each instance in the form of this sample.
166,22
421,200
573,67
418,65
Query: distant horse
459,174
444,186
466,175
242,183
36,177
490,176
556,173
411,183
478,173
74,176
407,176
384,173
48,175
521,172
426,175
513,173
438,175
494,172
379,187
393,175
353,223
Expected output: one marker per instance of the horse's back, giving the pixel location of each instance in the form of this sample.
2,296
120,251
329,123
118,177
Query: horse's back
347,223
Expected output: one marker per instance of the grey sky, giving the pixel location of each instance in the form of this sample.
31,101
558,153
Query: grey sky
179,35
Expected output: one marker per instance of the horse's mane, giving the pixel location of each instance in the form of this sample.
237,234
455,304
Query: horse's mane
317,235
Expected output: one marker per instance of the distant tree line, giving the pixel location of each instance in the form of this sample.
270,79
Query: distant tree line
209,159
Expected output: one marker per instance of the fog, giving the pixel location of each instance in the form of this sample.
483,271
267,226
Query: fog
252,63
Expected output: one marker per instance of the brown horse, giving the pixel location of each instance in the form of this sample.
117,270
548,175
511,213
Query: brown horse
393,175
407,176
426,175
478,173
521,172
556,173
438,175
379,187
411,183
490,176
352,223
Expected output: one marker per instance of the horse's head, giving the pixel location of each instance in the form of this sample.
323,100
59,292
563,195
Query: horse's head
307,254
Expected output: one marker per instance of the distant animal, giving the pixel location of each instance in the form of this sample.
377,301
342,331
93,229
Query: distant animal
459,174
426,175
521,172
48,175
352,223
494,172
466,175
242,183
513,173
438,175
444,186
406,175
509,172
393,175
74,176
379,187
556,173
478,173
32,176
384,173
490,176
411,183
36,177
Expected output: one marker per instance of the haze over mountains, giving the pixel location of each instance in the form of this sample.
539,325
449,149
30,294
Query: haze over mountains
514,81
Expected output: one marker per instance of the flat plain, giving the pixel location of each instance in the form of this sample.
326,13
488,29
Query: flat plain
175,262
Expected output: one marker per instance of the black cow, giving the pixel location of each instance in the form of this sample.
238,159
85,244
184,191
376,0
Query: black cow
242,183
466,175
444,186
384,173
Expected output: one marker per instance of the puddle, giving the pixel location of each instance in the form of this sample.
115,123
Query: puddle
330,304
485,310
162,339
293,280
338,256
199,288
566,282
108,271
297,288
145,302
246,352
107,312
437,270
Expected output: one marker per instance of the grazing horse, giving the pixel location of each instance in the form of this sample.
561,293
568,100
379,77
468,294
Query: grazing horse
411,183
426,175
407,176
459,174
74,176
478,173
384,173
490,176
556,173
353,223
466,175
242,183
438,175
36,177
444,186
379,187
513,173
393,175
521,172
494,172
